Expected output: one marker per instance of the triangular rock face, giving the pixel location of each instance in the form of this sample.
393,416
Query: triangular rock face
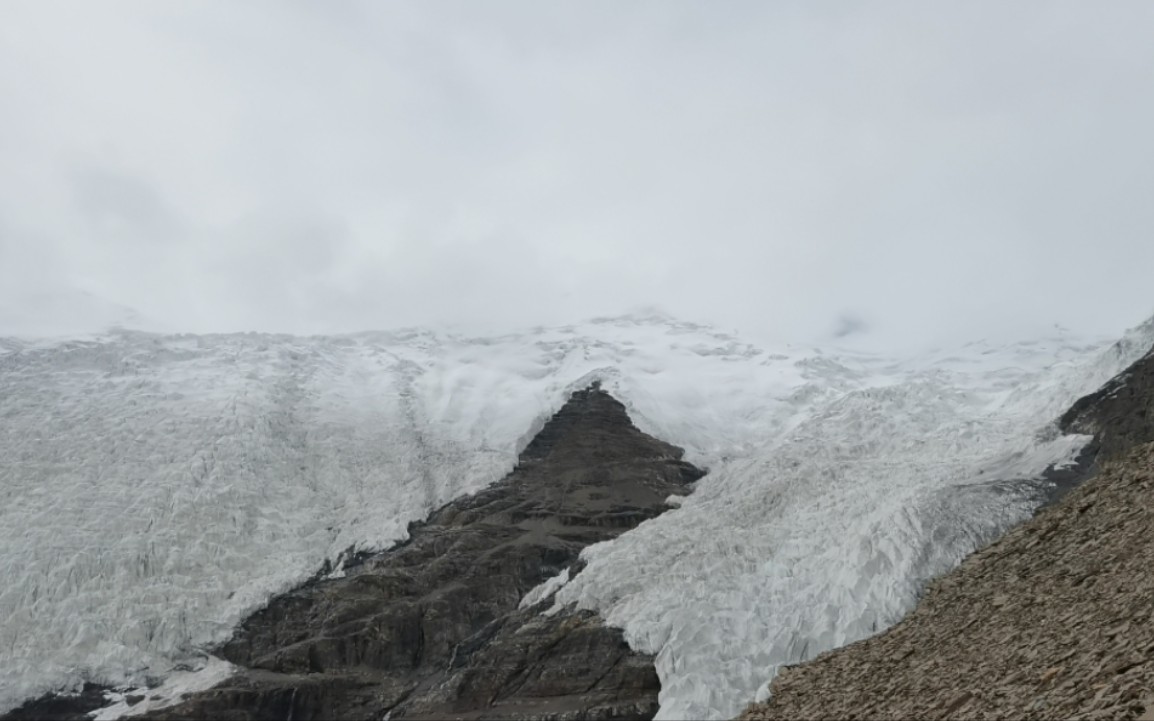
432,629
593,426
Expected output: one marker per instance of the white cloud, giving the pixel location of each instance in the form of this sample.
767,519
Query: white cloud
935,171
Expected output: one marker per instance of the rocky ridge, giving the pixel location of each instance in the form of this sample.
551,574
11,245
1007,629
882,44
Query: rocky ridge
432,628
1054,620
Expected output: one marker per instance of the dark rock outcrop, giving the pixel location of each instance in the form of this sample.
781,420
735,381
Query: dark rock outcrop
432,629
1120,414
62,707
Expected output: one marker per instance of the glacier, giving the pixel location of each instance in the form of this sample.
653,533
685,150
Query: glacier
156,489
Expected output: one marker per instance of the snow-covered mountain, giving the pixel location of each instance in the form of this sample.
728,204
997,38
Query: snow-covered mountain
157,488
66,313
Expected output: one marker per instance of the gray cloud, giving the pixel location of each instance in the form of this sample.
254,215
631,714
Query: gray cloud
942,171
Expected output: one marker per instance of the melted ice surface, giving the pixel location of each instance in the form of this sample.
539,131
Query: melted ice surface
155,489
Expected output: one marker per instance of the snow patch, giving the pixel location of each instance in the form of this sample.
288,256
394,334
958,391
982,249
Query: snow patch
545,589
207,673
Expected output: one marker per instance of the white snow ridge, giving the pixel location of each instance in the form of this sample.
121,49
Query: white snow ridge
155,489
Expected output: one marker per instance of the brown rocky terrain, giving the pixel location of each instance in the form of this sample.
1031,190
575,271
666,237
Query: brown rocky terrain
431,628
1054,620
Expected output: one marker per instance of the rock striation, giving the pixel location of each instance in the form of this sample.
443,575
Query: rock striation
1054,620
432,628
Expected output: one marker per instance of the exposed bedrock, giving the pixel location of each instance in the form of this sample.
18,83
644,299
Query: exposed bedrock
432,629
61,707
1120,414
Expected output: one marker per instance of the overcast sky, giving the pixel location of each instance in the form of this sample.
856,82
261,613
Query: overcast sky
925,170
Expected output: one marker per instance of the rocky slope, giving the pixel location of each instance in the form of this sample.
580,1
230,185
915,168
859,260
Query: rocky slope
1054,620
432,628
